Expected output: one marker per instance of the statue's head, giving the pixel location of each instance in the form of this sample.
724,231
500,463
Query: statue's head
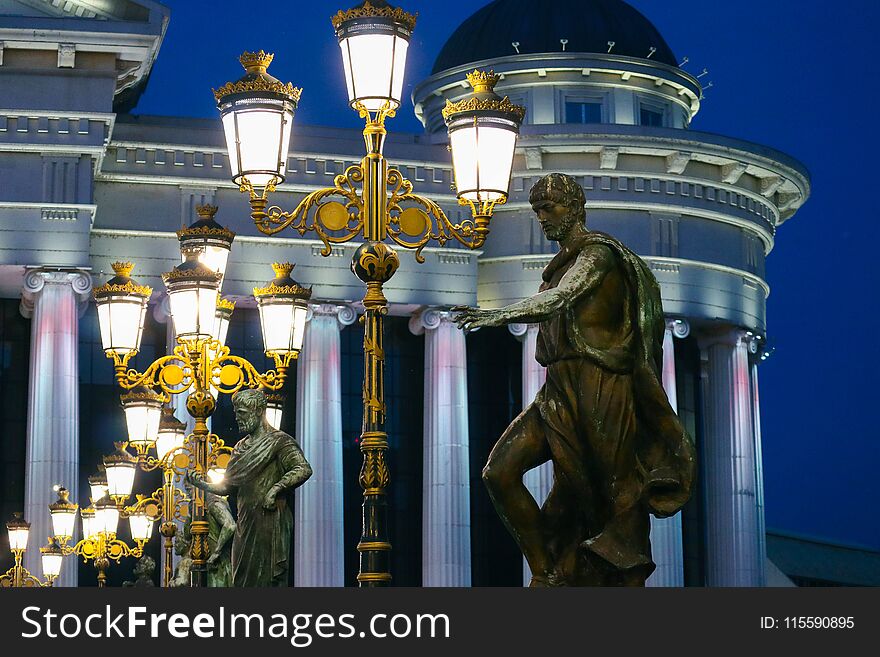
250,409
145,567
558,201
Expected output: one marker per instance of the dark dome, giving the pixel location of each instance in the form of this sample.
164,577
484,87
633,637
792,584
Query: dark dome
538,26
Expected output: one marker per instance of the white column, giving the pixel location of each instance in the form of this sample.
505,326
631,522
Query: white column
52,300
319,546
446,510
666,537
538,480
759,472
729,463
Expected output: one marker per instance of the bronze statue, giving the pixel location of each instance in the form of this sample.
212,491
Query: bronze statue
143,572
265,466
618,449
221,529
182,544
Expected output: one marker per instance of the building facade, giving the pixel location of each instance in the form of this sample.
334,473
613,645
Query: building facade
84,182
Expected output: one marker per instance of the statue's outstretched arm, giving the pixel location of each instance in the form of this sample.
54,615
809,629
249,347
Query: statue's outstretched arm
581,279
198,480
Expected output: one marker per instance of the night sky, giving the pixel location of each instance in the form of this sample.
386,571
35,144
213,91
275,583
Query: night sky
794,75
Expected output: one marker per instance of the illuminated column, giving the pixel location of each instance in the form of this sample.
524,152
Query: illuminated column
52,299
538,480
446,511
319,556
666,536
759,471
729,463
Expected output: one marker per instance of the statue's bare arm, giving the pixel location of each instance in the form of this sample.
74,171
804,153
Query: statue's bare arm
198,480
296,472
583,278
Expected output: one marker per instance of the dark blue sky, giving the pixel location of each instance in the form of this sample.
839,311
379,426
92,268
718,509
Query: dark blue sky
797,75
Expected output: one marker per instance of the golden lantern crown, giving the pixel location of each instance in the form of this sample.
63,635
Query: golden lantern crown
206,226
377,9
257,80
225,304
283,284
17,522
119,456
206,211
123,268
140,394
123,283
63,502
256,60
484,99
483,81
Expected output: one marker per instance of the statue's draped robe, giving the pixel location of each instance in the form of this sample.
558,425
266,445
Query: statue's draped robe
618,448
261,545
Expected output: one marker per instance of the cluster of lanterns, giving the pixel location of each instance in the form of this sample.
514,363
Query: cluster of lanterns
258,110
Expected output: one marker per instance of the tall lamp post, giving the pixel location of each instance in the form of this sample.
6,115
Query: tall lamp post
257,113
18,576
201,366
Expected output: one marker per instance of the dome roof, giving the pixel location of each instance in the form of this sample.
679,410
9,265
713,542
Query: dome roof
538,26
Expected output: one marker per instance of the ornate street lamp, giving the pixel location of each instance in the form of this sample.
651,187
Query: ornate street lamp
121,468
257,113
373,38
141,525
51,556
143,408
283,306
63,514
212,241
18,576
122,307
483,128
193,290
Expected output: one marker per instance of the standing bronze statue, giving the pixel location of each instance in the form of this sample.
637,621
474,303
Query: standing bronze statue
265,466
619,452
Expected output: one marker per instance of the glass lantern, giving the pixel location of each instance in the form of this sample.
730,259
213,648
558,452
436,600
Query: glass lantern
18,529
210,239
63,514
143,408
172,434
283,309
257,113
121,468
97,485
141,525
106,516
483,128
193,290
52,556
122,307
374,39
90,523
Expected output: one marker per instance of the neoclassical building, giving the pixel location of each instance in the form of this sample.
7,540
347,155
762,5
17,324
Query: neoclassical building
85,181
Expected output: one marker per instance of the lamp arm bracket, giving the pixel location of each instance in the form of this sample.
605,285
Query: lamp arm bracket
229,374
334,221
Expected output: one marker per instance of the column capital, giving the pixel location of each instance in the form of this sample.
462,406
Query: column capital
731,336
428,319
520,331
162,309
36,278
344,314
679,326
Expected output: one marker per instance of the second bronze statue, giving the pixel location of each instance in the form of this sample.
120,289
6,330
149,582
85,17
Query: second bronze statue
619,452
265,467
